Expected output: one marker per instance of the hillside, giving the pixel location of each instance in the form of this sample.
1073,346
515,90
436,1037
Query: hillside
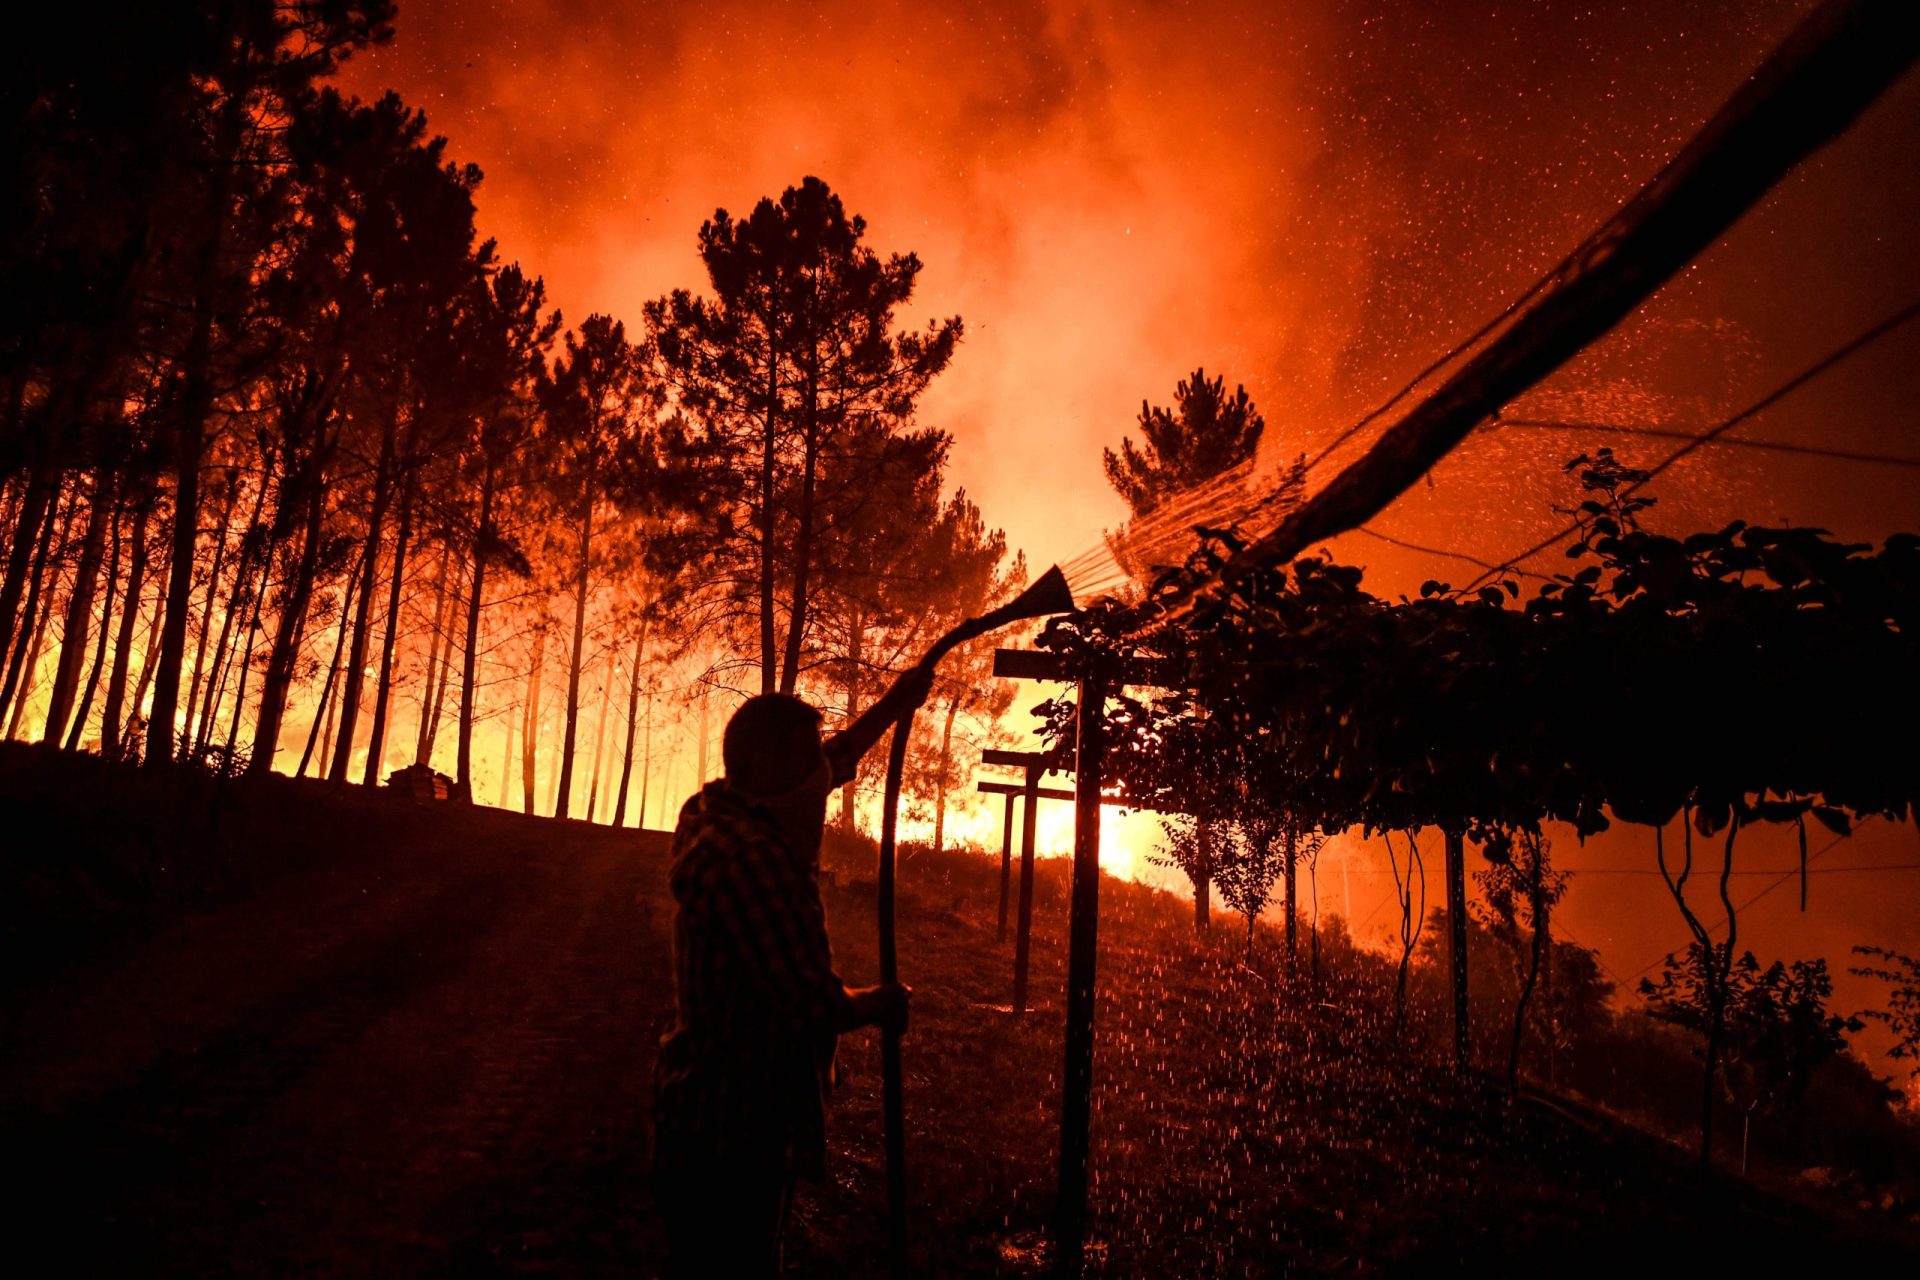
268,1027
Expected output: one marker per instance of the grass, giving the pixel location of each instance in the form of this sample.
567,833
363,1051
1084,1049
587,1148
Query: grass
1242,1125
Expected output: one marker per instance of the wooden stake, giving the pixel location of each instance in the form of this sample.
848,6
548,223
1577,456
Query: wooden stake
1023,930
1006,863
1083,933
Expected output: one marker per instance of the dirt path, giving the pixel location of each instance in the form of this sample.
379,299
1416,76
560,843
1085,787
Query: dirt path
431,1062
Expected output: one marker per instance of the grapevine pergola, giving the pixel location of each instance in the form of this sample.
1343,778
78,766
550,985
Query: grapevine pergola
1653,698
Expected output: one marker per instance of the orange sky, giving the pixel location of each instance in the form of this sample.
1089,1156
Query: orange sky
1312,198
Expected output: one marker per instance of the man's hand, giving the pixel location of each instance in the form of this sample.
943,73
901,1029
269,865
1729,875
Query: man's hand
894,997
884,1006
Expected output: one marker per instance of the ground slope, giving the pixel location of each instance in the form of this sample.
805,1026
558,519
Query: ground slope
273,1028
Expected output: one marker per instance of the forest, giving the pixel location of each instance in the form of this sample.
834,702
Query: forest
366,622
300,472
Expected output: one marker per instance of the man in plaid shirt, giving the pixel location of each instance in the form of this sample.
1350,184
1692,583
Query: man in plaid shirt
740,1085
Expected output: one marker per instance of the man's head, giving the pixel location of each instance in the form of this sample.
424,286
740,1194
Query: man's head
773,758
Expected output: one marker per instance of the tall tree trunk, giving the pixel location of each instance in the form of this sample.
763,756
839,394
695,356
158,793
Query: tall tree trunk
576,659
123,642
470,658
530,730
289,630
349,706
162,724
646,766
633,712
547,735
243,591
39,500
438,710
26,654
856,653
150,659
705,734
383,689
324,709
24,677
79,613
767,459
12,489
85,708
439,658
667,782
506,759
30,666
802,549
324,726
206,622
600,738
193,406
940,785
246,666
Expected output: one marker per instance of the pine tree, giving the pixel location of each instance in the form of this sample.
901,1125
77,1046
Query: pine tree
795,351
1205,433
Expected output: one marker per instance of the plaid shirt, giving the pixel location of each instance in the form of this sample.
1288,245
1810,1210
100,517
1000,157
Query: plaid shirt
745,1069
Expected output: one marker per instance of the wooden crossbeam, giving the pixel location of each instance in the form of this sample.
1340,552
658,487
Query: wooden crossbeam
1034,664
1019,789
1029,664
1057,793
1045,761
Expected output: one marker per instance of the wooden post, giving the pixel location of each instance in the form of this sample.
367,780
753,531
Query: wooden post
1457,919
1023,934
1083,933
1006,863
1029,792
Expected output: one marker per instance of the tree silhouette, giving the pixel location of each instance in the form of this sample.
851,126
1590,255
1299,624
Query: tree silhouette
1766,1030
795,349
594,401
1520,890
1205,433
499,461
1901,973
257,69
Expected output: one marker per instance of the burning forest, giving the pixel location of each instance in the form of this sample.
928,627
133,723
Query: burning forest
756,640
